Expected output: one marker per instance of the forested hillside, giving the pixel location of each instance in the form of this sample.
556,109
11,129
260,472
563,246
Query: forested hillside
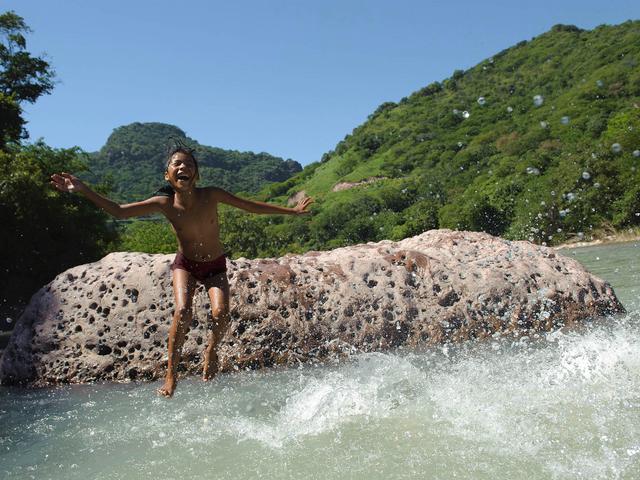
134,159
541,141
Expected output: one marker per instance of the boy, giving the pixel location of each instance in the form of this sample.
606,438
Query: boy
193,214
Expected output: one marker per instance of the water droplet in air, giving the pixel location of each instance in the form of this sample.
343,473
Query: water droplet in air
636,153
533,171
509,109
465,114
570,196
481,101
460,144
597,184
600,83
586,175
544,124
456,111
564,120
616,148
538,100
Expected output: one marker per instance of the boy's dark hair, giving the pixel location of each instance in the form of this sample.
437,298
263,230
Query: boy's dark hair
176,146
166,191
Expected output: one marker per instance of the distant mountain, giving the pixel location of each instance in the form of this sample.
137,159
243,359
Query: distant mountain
134,159
541,141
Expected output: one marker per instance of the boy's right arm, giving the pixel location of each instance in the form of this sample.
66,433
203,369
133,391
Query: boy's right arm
65,182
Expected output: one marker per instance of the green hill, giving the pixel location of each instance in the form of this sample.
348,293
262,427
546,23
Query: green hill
539,142
134,158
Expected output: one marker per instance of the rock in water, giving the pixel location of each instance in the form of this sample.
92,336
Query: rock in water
109,320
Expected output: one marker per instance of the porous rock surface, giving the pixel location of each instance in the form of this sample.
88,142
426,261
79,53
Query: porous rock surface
109,320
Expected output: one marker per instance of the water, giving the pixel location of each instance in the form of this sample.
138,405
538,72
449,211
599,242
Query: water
619,264
564,405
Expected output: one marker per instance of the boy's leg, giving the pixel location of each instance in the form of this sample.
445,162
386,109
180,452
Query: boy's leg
183,289
218,289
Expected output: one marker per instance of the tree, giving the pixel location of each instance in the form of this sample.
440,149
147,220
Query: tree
44,232
23,77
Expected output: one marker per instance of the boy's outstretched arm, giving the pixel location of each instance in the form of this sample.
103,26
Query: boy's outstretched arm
65,182
260,207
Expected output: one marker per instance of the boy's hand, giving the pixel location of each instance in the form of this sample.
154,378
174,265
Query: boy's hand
65,182
301,207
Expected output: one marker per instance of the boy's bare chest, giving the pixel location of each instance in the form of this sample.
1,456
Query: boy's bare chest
194,219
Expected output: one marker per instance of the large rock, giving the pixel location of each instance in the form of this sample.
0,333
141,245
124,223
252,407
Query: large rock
109,320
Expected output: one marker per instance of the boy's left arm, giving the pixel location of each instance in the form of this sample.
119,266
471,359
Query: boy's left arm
252,206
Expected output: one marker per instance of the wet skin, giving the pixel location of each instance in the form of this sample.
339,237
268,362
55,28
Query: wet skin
193,214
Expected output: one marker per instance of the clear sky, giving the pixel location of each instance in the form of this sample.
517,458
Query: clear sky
287,77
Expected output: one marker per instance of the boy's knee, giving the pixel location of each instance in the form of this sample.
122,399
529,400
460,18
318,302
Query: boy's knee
183,313
219,313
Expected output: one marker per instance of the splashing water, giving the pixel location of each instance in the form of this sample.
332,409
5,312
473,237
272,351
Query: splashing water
565,405
538,100
562,405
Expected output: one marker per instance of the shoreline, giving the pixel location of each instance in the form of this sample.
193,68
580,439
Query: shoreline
619,237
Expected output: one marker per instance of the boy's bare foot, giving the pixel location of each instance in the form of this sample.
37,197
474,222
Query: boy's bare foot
210,367
168,388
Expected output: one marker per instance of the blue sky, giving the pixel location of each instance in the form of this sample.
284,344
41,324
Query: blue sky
291,78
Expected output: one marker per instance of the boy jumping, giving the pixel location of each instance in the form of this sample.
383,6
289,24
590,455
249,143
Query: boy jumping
193,214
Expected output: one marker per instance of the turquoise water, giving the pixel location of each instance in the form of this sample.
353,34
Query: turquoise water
564,405
618,263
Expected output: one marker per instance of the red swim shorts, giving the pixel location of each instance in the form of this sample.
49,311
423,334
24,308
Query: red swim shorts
200,270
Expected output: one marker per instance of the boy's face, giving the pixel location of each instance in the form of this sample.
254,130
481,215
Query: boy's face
181,171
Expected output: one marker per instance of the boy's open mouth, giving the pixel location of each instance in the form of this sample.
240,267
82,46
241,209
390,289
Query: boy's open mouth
183,177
